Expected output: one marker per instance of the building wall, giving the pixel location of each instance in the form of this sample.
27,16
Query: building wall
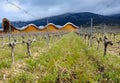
30,28
69,27
51,28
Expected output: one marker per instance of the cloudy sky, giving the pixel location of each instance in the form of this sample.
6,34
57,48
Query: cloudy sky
44,8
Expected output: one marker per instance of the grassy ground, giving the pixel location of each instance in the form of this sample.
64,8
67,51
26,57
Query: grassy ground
67,59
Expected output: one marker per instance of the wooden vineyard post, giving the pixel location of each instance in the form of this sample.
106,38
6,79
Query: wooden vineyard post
89,39
10,32
110,33
23,37
104,30
114,34
91,32
54,37
2,41
47,39
85,37
81,31
118,42
59,36
47,35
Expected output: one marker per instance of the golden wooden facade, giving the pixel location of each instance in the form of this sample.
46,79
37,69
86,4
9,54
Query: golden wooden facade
33,28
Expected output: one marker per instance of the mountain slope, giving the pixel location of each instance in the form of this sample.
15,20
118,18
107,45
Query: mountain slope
76,18
117,16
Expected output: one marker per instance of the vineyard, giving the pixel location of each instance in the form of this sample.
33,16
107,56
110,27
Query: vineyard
64,57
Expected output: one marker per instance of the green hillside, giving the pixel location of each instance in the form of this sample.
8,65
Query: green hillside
66,60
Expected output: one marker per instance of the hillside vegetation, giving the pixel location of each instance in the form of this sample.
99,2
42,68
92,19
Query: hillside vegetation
64,60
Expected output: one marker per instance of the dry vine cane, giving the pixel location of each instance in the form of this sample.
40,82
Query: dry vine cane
106,43
114,34
2,43
98,42
28,44
118,42
12,46
85,37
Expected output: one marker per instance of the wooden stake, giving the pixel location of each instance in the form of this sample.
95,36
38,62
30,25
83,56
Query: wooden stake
91,32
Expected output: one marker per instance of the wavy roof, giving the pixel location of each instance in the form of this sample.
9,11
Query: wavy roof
41,28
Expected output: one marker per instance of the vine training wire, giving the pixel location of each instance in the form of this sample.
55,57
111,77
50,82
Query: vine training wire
25,11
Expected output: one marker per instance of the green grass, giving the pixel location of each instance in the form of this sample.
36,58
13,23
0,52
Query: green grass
22,78
68,60
6,63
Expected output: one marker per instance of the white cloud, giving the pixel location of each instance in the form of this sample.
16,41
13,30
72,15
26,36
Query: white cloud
44,8
10,8
7,7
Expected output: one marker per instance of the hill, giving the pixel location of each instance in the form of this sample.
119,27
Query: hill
116,16
76,18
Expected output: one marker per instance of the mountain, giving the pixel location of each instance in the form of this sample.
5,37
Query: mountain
116,16
0,25
75,18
